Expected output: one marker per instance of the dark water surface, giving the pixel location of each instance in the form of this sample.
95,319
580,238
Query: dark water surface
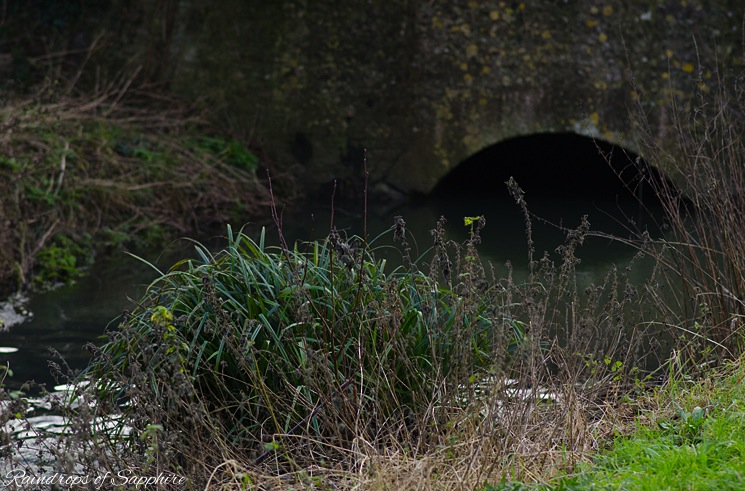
69,317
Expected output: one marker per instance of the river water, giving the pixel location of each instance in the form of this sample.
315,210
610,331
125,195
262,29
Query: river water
67,318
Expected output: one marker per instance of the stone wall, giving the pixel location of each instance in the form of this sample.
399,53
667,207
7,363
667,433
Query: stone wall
423,84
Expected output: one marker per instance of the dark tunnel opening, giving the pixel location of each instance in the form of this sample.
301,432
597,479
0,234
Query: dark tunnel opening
565,177
551,167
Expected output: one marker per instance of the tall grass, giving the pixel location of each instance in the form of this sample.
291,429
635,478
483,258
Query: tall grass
705,250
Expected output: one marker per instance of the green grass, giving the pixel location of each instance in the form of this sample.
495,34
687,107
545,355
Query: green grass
692,437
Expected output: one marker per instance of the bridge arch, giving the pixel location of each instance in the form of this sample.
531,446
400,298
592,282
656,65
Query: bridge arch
423,85
553,166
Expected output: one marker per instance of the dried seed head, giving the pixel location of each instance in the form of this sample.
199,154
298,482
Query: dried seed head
399,228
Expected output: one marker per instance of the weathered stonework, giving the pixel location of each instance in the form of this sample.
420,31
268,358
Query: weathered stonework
423,84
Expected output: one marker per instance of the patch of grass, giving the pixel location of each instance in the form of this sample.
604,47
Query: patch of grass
62,261
689,435
232,151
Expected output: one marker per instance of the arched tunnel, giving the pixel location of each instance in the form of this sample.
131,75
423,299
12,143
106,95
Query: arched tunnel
564,176
554,167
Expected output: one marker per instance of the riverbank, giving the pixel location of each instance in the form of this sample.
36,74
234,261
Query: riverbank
688,434
83,176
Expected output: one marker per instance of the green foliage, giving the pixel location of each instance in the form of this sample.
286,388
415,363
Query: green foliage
150,437
5,371
62,261
687,429
321,338
232,152
138,148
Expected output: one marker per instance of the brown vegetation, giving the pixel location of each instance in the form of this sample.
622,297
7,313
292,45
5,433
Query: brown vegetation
85,174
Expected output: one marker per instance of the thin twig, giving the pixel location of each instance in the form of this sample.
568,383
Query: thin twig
62,166
84,63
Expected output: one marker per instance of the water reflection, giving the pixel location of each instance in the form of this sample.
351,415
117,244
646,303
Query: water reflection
504,238
67,318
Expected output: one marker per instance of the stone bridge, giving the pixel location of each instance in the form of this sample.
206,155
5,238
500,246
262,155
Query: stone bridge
424,84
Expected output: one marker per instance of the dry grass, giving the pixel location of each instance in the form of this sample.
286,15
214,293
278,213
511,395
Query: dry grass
529,442
98,172
704,254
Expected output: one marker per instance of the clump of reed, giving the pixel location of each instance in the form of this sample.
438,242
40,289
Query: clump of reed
288,355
